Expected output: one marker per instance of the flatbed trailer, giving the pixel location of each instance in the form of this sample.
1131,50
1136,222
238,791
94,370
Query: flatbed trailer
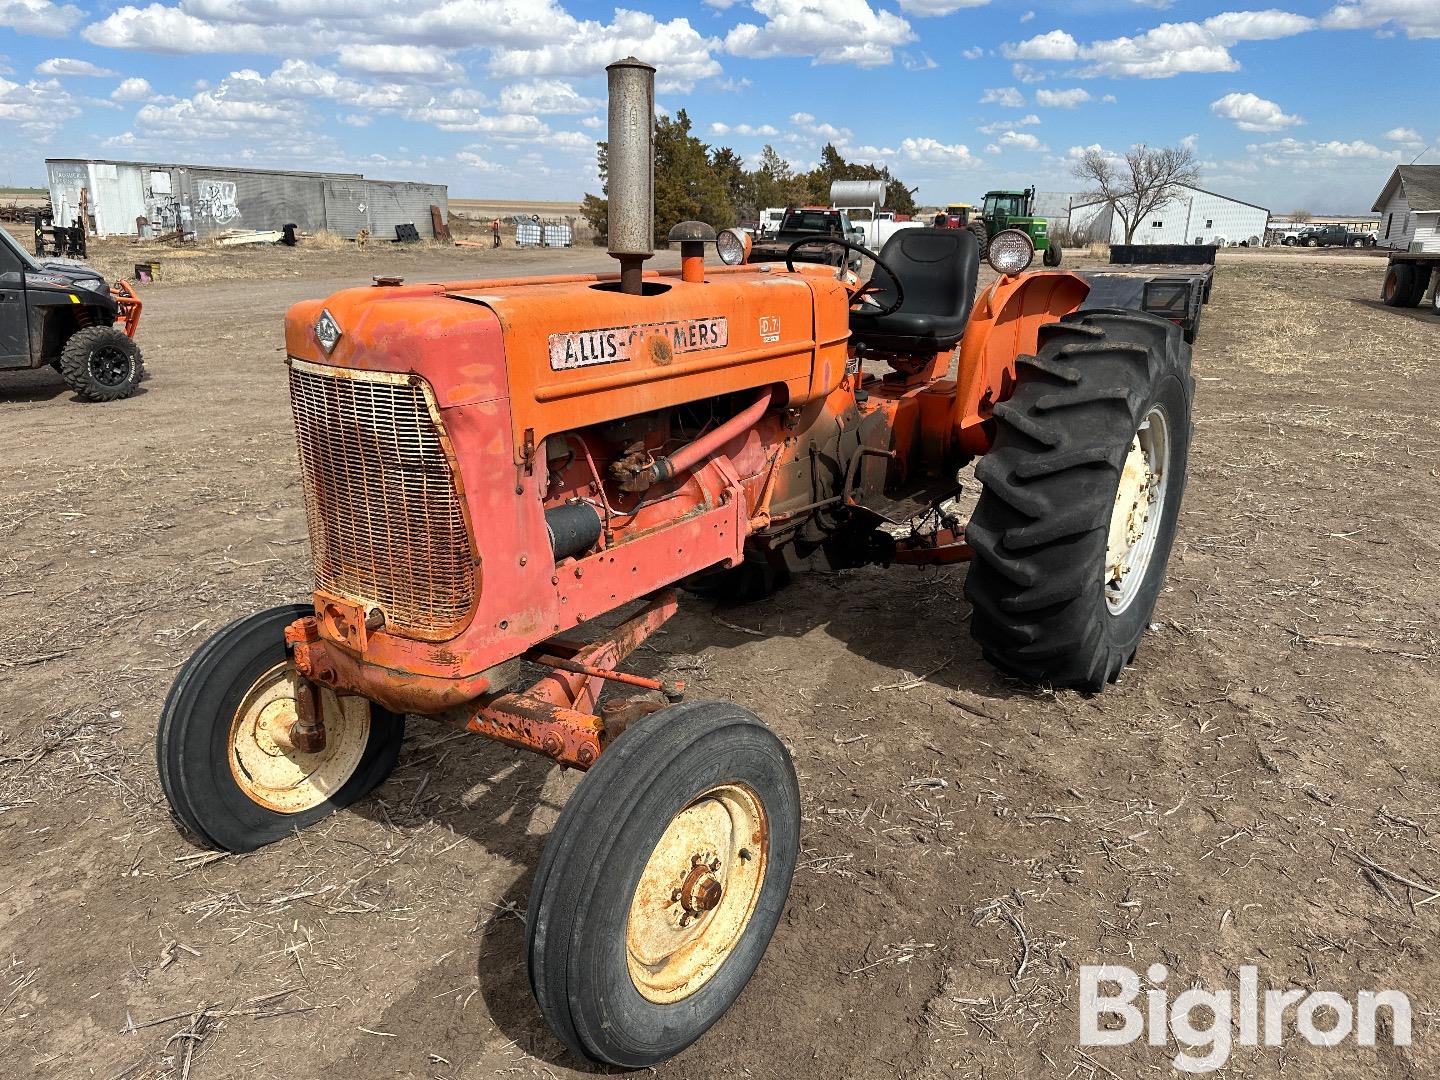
1172,281
1408,276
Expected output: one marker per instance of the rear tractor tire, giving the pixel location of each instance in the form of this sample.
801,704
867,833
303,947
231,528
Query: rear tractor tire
982,236
101,363
220,745
662,882
1081,498
1052,255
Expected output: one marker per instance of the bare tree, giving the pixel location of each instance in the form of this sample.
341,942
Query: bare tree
1140,184
1300,217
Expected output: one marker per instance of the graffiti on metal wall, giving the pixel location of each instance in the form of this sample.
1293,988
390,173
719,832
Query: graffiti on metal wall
215,201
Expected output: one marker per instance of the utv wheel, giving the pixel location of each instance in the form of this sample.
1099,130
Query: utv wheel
1404,285
219,748
662,882
1052,255
101,363
1081,498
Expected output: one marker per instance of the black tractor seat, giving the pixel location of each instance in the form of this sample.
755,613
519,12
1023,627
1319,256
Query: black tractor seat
938,268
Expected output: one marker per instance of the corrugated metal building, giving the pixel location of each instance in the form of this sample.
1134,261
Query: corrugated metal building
1195,216
212,199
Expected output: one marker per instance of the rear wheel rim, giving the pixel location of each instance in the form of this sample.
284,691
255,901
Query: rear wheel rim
109,365
697,893
286,780
1139,507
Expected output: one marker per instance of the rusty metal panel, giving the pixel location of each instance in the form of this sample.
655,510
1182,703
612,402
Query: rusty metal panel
387,523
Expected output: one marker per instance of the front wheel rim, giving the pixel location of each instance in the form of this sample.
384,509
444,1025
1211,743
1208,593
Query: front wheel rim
697,893
1138,512
109,366
287,780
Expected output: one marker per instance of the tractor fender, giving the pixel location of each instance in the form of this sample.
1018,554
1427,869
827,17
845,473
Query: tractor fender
1005,325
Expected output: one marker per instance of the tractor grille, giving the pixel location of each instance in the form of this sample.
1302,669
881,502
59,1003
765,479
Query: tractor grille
387,528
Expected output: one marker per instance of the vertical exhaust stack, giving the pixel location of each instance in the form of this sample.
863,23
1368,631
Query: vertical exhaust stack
630,159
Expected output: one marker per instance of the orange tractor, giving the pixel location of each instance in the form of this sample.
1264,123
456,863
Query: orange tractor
505,480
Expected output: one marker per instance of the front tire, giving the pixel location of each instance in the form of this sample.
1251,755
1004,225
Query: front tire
101,363
662,883
223,773
1052,255
1081,499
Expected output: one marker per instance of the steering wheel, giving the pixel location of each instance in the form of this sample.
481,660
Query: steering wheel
861,295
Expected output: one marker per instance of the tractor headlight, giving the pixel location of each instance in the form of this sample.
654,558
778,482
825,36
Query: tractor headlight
1011,251
733,247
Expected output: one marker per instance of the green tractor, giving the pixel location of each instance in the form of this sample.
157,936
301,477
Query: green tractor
1015,210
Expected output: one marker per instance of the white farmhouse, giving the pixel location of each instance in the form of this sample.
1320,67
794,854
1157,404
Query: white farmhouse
1409,207
1192,216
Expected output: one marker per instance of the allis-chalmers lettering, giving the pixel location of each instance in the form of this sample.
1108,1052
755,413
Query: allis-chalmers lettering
616,343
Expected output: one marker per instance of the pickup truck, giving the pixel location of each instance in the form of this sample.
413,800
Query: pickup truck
1330,236
805,221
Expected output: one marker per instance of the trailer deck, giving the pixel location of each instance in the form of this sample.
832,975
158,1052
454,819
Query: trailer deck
1172,281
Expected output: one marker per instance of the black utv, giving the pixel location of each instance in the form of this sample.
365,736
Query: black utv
64,314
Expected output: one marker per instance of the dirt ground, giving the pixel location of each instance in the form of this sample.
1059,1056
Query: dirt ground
1257,789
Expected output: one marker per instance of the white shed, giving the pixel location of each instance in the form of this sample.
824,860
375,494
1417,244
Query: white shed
1193,216
1409,206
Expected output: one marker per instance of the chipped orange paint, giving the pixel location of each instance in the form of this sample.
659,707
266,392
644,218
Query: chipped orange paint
525,372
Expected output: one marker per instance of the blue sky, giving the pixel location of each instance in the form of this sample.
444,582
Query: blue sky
1307,105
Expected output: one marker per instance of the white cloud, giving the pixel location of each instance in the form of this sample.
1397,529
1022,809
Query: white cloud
410,61
545,96
681,53
1316,154
1405,136
1056,45
1028,120
1418,18
1026,74
929,151
1027,17
1168,49
1021,140
926,8
973,53
1008,96
1062,99
474,161
801,118
763,130
39,17
1252,113
162,29
63,65
43,104
132,89
830,31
